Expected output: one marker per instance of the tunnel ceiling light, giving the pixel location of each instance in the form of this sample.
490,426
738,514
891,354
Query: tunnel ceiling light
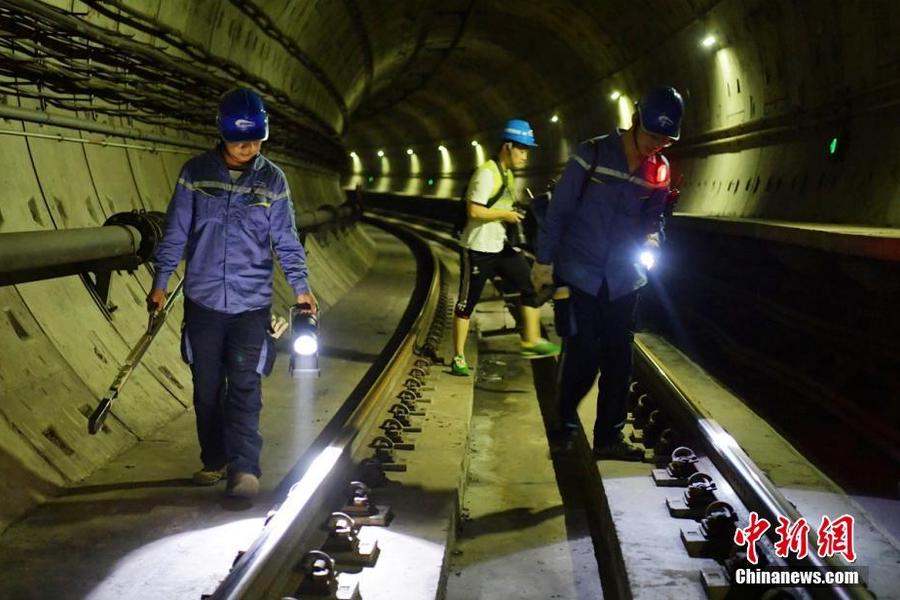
833,146
442,148
381,153
371,179
410,151
475,143
708,41
615,95
354,155
554,119
430,181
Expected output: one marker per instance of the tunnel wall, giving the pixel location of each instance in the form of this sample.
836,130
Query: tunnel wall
758,125
58,352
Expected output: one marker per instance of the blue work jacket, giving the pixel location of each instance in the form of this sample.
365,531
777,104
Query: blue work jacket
598,237
227,230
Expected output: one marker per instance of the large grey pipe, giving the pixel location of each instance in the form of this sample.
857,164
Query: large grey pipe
123,243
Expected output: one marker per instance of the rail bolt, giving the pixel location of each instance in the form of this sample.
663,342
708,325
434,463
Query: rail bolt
384,449
393,429
343,533
683,464
408,394
719,523
401,414
645,405
358,502
654,428
321,578
634,392
667,442
700,490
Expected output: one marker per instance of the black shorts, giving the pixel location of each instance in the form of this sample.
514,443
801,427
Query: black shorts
476,267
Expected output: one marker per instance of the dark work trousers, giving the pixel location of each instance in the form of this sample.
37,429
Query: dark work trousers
602,342
225,355
475,268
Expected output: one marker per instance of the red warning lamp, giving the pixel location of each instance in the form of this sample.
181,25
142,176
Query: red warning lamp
662,172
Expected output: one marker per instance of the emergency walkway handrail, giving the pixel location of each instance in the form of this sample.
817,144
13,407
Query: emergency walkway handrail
751,484
267,567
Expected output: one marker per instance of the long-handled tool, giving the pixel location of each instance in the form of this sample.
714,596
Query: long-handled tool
154,324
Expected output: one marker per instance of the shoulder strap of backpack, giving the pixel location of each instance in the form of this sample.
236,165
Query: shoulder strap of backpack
496,197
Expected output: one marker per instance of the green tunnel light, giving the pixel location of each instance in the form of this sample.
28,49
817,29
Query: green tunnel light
430,181
371,179
833,146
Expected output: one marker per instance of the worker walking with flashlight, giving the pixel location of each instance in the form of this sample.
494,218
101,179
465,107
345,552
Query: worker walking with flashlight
490,199
599,237
230,209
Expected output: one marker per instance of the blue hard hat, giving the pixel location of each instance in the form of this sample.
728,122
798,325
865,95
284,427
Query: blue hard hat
660,111
518,131
242,116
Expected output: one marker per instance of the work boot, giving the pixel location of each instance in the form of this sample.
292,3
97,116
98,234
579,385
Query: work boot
540,349
242,485
459,367
208,476
618,450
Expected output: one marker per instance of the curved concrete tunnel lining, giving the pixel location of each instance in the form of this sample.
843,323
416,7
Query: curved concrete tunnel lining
725,92
75,361
88,350
78,184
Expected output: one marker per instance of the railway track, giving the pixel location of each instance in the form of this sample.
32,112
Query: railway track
294,554
713,486
716,487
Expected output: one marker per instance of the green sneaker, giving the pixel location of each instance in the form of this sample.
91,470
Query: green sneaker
540,349
459,367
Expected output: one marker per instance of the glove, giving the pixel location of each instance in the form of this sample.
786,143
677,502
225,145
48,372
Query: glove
541,276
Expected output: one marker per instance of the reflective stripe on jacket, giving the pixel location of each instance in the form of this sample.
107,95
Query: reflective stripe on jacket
599,236
227,231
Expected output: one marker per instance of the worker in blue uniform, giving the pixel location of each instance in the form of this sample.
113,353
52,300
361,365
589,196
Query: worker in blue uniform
596,242
230,209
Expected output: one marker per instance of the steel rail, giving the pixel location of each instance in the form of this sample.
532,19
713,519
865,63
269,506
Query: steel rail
749,482
267,568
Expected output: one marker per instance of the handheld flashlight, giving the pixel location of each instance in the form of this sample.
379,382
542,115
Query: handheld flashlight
304,341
